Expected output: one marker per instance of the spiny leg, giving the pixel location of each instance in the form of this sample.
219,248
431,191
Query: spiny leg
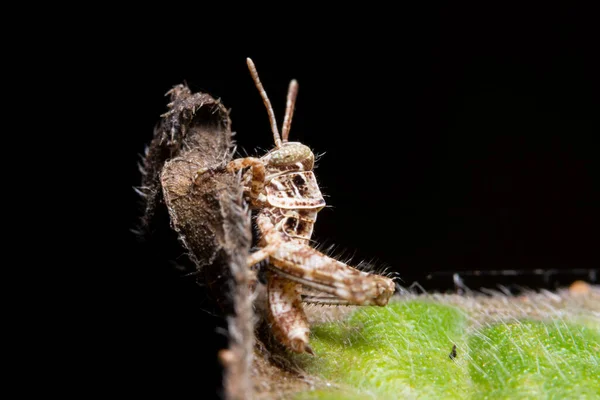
258,175
306,265
286,315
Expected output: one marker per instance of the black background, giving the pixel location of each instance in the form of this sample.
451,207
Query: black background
455,139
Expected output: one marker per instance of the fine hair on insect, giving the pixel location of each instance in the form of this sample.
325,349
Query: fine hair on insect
282,189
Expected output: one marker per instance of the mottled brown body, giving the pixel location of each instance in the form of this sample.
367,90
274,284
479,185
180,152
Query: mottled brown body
283,189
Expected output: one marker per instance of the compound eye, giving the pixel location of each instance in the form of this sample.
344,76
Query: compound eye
290,154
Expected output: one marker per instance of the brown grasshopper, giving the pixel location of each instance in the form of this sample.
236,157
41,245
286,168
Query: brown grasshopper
282,187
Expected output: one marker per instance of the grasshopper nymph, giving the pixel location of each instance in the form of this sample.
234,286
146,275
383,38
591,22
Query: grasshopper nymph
282,188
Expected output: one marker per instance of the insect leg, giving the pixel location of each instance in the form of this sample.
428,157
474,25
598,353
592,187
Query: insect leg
260,255
286,315
270,240
258,174
308,266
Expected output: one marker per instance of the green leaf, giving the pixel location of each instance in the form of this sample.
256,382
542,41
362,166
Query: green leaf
402,351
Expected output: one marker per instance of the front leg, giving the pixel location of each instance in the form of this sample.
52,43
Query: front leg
270,241
258,172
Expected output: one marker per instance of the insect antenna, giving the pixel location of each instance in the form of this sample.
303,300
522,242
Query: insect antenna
289,110
265,98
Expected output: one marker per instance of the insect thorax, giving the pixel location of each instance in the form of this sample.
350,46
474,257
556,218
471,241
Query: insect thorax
294,199
295,190
296,225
